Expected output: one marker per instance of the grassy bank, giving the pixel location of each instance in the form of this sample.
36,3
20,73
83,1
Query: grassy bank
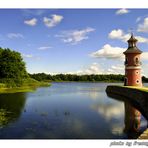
139,88
143,88
23,85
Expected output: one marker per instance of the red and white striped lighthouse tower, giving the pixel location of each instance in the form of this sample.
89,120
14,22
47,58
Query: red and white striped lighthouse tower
132,64
132,78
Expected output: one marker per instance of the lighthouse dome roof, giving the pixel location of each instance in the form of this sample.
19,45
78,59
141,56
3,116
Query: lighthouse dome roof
132,48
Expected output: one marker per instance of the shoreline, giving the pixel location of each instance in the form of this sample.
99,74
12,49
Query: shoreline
33,87
16,90
87,81
21,89
27,87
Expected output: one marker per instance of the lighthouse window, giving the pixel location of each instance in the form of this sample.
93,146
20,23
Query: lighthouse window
137,60
137,72
137,81
126,61
125,72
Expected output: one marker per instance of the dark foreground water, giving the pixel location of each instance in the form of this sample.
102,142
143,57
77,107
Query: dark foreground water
64,110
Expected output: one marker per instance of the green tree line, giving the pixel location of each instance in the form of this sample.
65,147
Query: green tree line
81,78
77,78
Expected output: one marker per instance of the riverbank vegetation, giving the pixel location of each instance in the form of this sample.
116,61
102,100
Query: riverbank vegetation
20,85
13,74
80,78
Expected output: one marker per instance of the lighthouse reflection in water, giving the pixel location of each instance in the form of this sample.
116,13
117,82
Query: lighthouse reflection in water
132,118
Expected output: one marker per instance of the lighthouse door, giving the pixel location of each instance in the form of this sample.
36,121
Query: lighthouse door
125,81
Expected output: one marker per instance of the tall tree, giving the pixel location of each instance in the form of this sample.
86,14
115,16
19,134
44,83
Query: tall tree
12,64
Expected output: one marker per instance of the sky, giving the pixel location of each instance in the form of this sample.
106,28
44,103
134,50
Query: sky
75,41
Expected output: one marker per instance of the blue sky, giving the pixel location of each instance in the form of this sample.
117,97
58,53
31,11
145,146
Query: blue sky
81,41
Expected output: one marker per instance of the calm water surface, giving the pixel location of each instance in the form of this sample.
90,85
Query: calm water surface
64,110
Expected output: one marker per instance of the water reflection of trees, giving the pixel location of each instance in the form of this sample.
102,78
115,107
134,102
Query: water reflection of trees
11,106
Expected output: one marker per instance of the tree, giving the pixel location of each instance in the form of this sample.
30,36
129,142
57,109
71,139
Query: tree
12,64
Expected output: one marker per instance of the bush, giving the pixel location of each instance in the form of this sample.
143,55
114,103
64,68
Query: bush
9,82
2,85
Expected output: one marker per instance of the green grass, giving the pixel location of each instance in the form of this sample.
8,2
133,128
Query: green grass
24,85
139,88
145,89
32,82
15,90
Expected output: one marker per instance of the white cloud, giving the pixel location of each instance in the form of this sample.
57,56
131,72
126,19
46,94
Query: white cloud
109,52
27,55
122,11
120,35
144,56
94,68
44,47
31,22
116,34
144,26
145,69
116,69
141,39
138,19
75,36
14,35
53,21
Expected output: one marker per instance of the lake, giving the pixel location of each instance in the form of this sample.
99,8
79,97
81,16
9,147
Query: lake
63,111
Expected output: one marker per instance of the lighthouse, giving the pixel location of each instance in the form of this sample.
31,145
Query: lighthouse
132,78
132,64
